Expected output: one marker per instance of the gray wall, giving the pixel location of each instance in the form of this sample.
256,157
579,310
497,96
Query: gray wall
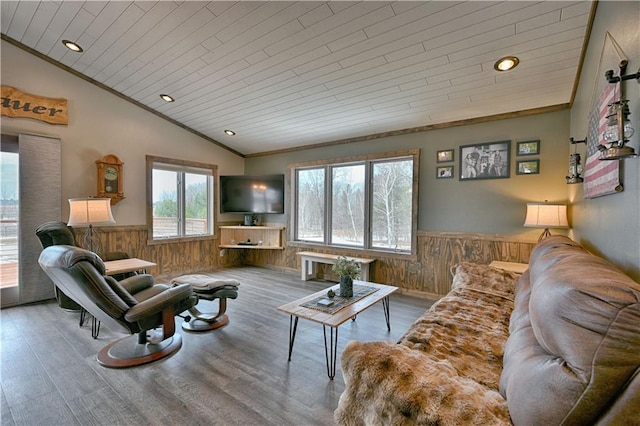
101,123
610,225
495,206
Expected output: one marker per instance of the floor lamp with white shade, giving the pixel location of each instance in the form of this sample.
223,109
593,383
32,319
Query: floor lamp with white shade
89,212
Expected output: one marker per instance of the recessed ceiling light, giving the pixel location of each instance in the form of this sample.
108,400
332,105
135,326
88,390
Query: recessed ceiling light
507,63
72,46
166,98
230,132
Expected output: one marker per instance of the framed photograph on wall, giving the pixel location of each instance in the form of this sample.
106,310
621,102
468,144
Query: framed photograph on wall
528,148
444,172
485,160
445,156
527,167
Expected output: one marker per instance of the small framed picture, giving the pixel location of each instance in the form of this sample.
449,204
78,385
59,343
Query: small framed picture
445,156
528,148
444,172
528,167
485,161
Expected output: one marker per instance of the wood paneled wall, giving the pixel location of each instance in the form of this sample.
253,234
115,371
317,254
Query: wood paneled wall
427,273
173,259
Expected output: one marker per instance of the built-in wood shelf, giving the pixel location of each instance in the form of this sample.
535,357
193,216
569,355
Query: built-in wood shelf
263,237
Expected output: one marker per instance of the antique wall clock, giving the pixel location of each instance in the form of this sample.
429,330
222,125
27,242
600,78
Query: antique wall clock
110,178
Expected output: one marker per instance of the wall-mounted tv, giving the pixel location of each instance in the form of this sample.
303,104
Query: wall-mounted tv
252,194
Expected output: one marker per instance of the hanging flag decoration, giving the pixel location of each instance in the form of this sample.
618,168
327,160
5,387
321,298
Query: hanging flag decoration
601,177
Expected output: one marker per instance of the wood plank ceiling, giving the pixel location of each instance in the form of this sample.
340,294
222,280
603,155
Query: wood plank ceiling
290,74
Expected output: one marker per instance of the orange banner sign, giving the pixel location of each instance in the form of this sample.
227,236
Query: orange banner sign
18,104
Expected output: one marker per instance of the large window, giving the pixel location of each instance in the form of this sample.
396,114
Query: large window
10,220
366,203
310,200
347,205
181,199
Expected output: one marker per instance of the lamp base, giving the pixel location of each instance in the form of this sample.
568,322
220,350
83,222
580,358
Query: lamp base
91,240
544,234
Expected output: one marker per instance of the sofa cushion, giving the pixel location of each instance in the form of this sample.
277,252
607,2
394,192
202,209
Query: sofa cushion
393,385
470,325
484,279
575,341
445,369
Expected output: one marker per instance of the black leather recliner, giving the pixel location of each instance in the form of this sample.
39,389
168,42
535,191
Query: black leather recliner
133,305
58,233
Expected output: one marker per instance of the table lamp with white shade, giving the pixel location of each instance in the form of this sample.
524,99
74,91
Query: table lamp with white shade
543,215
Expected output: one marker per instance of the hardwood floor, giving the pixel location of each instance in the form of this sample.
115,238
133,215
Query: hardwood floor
237,374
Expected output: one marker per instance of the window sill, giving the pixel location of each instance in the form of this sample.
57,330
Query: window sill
171,240
350,251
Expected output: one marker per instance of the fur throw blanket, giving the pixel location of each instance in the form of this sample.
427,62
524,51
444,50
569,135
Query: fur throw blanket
445,370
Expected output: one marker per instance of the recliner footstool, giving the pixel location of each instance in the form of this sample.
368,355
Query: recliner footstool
209,288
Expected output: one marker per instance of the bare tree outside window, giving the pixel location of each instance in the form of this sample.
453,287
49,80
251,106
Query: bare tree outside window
362,203
392,198
310,204
347,205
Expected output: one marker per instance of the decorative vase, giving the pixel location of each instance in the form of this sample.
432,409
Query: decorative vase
346,286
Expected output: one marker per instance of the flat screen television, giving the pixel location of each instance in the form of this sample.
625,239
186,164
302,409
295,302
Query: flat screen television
252,194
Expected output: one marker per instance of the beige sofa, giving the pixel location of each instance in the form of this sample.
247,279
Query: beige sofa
567,332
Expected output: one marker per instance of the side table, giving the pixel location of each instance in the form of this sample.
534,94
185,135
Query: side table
514,267
121,266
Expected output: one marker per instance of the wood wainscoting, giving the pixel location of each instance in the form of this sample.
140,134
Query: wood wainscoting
427,273
172,258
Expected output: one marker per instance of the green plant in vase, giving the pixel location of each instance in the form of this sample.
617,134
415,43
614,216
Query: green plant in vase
348,270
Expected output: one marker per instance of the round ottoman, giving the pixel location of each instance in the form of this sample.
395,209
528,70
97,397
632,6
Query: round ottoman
209,288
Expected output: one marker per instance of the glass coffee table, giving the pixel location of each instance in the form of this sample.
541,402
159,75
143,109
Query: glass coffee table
314,308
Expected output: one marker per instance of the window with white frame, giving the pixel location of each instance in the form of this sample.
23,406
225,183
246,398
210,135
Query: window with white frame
181,199
365,203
